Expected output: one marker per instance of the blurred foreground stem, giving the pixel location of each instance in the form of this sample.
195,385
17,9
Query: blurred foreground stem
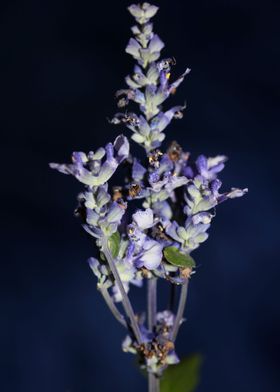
153,380
154,385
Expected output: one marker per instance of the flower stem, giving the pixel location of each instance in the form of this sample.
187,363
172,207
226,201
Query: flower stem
152,314
125,300
154,385
172,297
112,306
152,302
180,311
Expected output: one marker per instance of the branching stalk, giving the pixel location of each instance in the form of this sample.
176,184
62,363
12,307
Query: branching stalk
180,311
172,297
152,302
119,317
125,300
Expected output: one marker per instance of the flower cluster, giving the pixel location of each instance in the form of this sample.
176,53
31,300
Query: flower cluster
157,350
149,85
178,197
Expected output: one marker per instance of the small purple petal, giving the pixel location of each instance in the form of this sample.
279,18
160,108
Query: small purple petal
138,171
135,10
121,145
188,172
201,164
63,168
115,213
79,157
152,256
150,10
215,186
156,44
171,230
133,48
92,217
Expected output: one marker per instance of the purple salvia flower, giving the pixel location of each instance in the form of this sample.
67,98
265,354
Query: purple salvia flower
110,222
190,236
162,120
198,198
151,255
208,168
165,318
144,219
143,12
100,272
163,210
157,344
89,169
96,200
152,52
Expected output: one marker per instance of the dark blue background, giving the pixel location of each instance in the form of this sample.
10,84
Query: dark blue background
61,62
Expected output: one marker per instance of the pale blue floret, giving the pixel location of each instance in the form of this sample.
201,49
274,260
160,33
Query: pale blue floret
151,255
89,169
144,219
142,12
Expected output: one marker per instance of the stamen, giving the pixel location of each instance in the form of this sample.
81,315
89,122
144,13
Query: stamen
174,151
134,190
117,193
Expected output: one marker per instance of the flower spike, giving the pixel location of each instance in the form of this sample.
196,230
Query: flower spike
177,199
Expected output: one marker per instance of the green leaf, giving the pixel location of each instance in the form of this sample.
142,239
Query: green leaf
183,377
175,257
114,243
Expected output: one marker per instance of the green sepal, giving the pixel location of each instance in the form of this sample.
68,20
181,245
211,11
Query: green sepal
183,377
102,256
114,244
175,257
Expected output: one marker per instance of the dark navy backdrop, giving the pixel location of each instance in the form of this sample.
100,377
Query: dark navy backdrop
61,62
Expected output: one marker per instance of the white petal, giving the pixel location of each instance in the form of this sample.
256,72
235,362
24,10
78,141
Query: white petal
144,219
